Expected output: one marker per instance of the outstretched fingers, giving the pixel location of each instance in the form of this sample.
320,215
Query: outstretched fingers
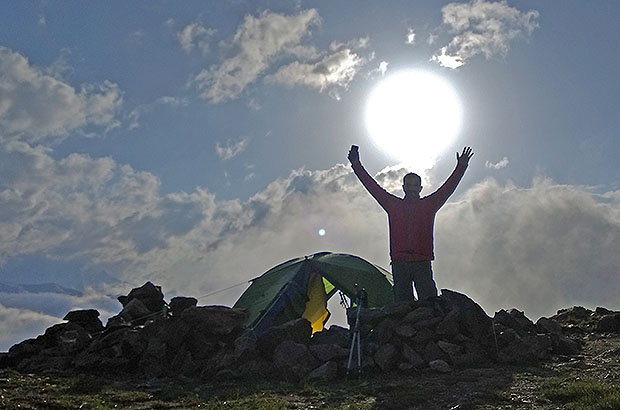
465,155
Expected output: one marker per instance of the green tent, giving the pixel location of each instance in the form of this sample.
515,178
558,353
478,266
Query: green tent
301,287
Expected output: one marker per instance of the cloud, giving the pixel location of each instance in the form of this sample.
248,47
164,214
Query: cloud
256,43
37,105
17,325
334,70
381,70
231,148
195,35
134,117
482,27
410,37
503,163
82,207
537,248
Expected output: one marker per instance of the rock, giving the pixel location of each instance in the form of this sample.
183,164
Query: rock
135,312
609,323
245,348
421,313
544,325
88,319
566,346
154,361
298,330
433,352
405,331
294,360
368,316
215,320
326,372
335,335
516,320
386,357
527,350
179,303
452,350
326,352
120,350
573,315
384,331
422,337
398,308
449,326
474,322
413,357
440,366
150,295
428,323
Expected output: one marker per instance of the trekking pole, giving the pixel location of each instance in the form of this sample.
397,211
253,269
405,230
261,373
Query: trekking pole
356,339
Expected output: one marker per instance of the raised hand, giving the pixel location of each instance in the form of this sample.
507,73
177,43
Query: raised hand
465,156
354,155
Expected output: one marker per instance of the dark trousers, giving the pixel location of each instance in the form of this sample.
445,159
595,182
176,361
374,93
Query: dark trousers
418,272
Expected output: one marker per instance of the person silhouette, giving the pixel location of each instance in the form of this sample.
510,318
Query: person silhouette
411,222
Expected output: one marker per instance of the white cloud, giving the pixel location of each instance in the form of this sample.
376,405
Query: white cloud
36,105
232,147
257,42
195,35
134,117
381,70
410,37
17,325
482,27
503,163
538,248
334,70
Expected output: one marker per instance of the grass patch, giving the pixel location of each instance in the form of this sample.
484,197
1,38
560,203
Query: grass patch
583,394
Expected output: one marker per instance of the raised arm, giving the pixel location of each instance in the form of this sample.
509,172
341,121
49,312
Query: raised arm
443,193
380,194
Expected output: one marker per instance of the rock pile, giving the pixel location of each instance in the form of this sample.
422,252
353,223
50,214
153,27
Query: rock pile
154,339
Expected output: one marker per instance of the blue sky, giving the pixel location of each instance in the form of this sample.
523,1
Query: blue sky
197,144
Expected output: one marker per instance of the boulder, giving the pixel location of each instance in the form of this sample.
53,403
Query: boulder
421,313
386,357
298,331
474,322
180,303
149,294
335,335
294,360
609,323
215,320
245,348
440,366
87,318
544,325
412,356
326,353
515,320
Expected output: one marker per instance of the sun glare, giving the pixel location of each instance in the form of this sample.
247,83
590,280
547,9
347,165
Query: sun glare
413,116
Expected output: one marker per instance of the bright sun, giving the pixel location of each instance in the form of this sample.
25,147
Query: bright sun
413,116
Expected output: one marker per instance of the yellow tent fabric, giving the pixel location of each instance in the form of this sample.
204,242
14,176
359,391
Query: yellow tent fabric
316,307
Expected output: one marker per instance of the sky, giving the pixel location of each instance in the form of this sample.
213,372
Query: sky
198,144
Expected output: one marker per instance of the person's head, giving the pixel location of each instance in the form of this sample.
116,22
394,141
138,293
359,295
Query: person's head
412,184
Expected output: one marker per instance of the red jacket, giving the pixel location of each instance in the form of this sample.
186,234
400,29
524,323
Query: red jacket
411,219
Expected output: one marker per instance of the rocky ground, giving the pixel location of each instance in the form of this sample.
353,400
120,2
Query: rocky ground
444,353
590,380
